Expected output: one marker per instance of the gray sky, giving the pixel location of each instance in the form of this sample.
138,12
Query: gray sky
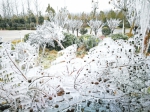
74,6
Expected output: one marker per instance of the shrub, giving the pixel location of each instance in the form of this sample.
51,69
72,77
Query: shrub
148,49
19,28
88,41
26,37
127,25
32,24
68,40
106,31
119,36
83,31
15,25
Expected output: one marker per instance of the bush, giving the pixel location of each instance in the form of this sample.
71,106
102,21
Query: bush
119,36
32,24
83,31
19,28
88,41
106,31
26,37
69,39
127,25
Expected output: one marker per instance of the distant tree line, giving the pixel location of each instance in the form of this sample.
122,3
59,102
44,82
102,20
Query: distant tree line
23,18
13,20
20,22
102,15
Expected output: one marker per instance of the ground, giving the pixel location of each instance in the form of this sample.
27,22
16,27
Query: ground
9,35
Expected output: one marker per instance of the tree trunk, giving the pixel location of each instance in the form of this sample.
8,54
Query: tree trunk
93,18
59,44
95,32
131,28
77,32
72,31
43,53
123,27
146,42
124,14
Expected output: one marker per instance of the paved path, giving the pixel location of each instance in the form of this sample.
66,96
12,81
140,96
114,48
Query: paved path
9,35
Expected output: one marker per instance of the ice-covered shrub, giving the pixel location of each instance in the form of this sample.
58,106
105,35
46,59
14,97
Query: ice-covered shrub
95,25
47,34
26,37
111,74
88,41
61,17
69,39
113,23
74,25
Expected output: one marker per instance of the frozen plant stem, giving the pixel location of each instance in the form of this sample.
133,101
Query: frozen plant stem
42,53
16,66
78,73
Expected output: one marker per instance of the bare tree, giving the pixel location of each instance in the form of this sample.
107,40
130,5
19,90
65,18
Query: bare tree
4,10
16,7
29,10
36,10
123,6
95,25
8,7
23,8
113,23
94,7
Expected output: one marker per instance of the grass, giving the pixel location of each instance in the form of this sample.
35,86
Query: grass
48,57
81,52
14,42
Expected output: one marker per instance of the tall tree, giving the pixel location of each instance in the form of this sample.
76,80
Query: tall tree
16,7
95,7
113,23
4,8
29,11
50,9
102,16
36,10
23,8
123,6
95,25
111,14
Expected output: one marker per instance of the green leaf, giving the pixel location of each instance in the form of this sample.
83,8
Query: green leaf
148,90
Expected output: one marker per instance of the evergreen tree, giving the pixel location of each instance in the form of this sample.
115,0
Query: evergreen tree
102,16
111,14
50,9
41,19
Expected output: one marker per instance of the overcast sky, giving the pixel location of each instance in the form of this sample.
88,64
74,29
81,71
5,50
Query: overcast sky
79,5
74,6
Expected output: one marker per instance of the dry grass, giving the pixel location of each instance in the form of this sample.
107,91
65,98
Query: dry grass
81,51
49,56
16,41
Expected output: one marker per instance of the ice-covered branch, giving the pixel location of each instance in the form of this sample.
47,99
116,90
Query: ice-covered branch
95,25
113,23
